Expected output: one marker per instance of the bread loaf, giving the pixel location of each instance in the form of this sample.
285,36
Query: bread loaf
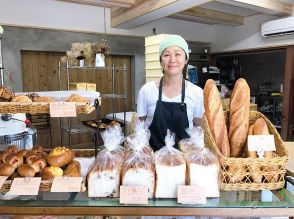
239,117
22,99
6,94
215,116
73,169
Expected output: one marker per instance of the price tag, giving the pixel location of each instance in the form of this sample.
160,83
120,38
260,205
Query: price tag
66,184
25,186
2,180
261,143
133,195
191,195
63,109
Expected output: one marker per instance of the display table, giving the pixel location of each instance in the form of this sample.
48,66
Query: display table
234,203
238,204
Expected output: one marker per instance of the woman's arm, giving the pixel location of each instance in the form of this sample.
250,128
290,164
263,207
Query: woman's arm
198,121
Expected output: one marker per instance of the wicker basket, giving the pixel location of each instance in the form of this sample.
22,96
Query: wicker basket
45,185
251,174
39,108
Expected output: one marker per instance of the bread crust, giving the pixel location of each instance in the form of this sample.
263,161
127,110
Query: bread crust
239,117
6,169
73,169
6,93
49,173
216,118
25,170
60,157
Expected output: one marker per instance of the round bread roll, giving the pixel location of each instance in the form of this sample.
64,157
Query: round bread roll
22,152
22,99
6,169
14,159
12,149
76,98
25,170
44,99
49,173
73,169
60,156
6,93
39,164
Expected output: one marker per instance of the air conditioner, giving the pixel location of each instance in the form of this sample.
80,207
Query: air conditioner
278,27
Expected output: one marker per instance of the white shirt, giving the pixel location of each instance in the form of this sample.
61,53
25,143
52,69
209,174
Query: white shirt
148,96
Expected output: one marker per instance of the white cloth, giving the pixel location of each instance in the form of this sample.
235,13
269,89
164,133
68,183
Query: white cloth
148,96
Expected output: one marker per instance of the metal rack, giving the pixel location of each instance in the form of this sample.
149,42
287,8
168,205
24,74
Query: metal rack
78,129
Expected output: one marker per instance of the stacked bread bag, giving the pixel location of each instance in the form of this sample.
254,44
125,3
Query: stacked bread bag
240,168
104,173
138,168
170,166
202,165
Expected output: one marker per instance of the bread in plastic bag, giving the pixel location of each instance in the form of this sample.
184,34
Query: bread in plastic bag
196,139
170,166
104,173
203,169
138,168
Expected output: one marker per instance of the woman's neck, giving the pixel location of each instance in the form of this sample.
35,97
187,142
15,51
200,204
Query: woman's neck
174,80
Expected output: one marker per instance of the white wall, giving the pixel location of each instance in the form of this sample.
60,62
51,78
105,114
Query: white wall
247,36
51,14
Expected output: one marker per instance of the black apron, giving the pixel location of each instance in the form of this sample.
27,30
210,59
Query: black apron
168,115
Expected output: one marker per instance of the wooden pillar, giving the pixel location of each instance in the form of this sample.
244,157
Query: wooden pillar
288,96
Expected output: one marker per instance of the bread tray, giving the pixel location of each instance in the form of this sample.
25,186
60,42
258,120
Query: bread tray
39,107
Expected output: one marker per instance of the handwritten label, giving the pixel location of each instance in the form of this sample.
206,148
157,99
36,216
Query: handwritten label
261,143
66,184
2,180
133,195
63,109
25,186
191,195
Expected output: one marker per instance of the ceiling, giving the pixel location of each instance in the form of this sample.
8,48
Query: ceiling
129,14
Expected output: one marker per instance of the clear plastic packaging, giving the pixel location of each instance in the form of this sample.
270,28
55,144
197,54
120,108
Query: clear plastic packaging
203,170
104,173
138,167
170,168
196,139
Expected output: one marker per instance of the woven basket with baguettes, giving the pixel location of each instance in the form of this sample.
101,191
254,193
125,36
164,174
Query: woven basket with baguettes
39,107
251,174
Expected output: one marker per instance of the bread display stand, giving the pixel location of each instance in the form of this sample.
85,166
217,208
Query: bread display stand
236,172
45,185
43,107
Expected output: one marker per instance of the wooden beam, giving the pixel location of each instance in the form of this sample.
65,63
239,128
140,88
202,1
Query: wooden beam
100,3
265,6
209,16
150,10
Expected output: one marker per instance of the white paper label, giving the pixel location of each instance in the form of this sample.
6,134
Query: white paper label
191,194
63,109
133,195
25,186
261,143
66,184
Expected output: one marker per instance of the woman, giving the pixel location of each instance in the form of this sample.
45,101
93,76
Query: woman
171,103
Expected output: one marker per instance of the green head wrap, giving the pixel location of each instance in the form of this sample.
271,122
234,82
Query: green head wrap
174,40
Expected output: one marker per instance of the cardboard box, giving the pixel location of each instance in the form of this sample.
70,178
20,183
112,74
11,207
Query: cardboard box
77,86
91,86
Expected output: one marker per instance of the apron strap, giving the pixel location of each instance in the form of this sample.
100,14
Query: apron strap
183,91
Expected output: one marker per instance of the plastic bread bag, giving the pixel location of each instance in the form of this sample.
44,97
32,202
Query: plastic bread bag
138,168
140,139
170,166
196,139
104,174
203,169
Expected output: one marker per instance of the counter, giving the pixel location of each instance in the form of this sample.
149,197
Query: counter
230,203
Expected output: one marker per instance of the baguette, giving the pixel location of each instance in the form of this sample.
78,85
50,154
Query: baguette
216,118
260,128
256,174
239,117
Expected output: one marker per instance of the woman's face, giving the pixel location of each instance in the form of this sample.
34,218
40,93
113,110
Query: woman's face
173,60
